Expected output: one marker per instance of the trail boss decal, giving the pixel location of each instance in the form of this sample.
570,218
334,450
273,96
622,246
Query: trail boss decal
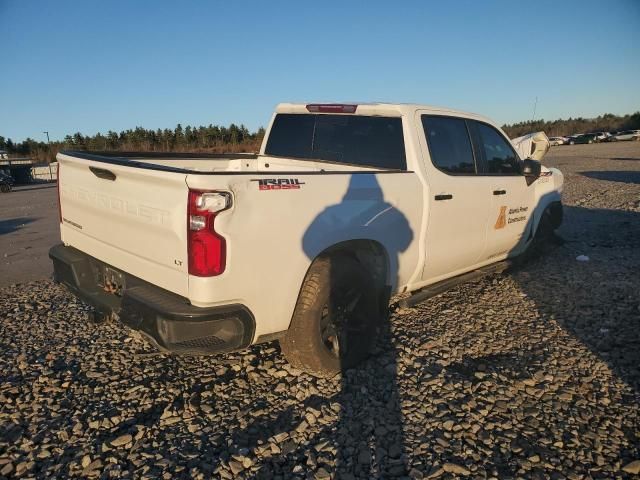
513,215
278,183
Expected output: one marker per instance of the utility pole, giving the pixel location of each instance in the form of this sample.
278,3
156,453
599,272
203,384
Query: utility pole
49,162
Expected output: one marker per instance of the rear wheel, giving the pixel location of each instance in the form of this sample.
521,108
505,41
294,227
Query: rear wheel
98,317
336,319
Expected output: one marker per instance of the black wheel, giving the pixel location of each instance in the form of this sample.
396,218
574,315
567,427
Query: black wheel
336,319
545,235
98,317
4,188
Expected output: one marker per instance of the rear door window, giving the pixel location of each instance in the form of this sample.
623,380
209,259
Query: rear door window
449,144
349,139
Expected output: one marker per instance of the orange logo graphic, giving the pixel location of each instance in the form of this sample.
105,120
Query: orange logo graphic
501,222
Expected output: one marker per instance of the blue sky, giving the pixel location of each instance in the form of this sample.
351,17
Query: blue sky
93,66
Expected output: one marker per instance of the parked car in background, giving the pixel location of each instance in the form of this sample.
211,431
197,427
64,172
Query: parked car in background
586,138
625,135
6,182
602,136
553,141
571,139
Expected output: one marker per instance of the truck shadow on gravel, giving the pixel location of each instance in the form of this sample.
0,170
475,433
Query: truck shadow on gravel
615,176
596,300
367,440
546,381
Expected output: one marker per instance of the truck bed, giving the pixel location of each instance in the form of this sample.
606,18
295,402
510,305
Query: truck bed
179,162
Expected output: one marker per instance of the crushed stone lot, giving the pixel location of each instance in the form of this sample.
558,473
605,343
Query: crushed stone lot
530,374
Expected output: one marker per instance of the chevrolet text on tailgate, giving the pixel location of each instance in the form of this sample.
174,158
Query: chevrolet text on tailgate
306,242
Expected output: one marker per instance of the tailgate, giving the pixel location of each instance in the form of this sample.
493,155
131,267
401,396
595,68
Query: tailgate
129,217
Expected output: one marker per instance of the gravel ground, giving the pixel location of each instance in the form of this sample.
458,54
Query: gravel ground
531,374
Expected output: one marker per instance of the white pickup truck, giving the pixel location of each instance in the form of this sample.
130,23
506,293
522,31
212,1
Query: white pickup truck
305,242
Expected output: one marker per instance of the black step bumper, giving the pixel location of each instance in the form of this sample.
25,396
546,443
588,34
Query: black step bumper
168,320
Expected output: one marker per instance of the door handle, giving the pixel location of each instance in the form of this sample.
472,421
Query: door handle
499,192
447,196
103,173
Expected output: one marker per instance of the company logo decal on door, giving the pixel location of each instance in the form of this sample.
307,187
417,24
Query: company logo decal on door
512,216
501,222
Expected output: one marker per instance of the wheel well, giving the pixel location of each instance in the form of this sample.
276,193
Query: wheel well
369,253
555,210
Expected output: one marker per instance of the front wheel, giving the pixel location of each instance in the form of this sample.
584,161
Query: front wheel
5,188
336,319
546,232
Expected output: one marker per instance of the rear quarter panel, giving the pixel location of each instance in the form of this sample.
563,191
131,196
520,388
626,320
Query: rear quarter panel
273,235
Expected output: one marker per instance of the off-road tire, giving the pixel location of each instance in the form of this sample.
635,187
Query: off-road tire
544,236
303,345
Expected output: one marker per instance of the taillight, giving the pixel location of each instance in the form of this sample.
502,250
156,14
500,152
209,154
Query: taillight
59,199
206,249
331,108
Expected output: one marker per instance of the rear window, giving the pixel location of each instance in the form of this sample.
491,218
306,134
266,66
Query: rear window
350,139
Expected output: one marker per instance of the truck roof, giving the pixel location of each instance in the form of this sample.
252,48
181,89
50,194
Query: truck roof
382,108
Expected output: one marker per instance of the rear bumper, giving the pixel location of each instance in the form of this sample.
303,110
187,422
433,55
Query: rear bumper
168,320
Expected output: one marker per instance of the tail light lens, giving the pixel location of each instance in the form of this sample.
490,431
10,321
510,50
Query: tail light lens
207,250
59,199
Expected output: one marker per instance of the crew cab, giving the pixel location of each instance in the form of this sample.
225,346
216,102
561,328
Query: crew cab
306,241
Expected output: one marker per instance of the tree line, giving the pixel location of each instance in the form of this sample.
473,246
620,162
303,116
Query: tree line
561,127
210,139
234,138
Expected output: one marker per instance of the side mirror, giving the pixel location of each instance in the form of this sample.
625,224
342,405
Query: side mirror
531,170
